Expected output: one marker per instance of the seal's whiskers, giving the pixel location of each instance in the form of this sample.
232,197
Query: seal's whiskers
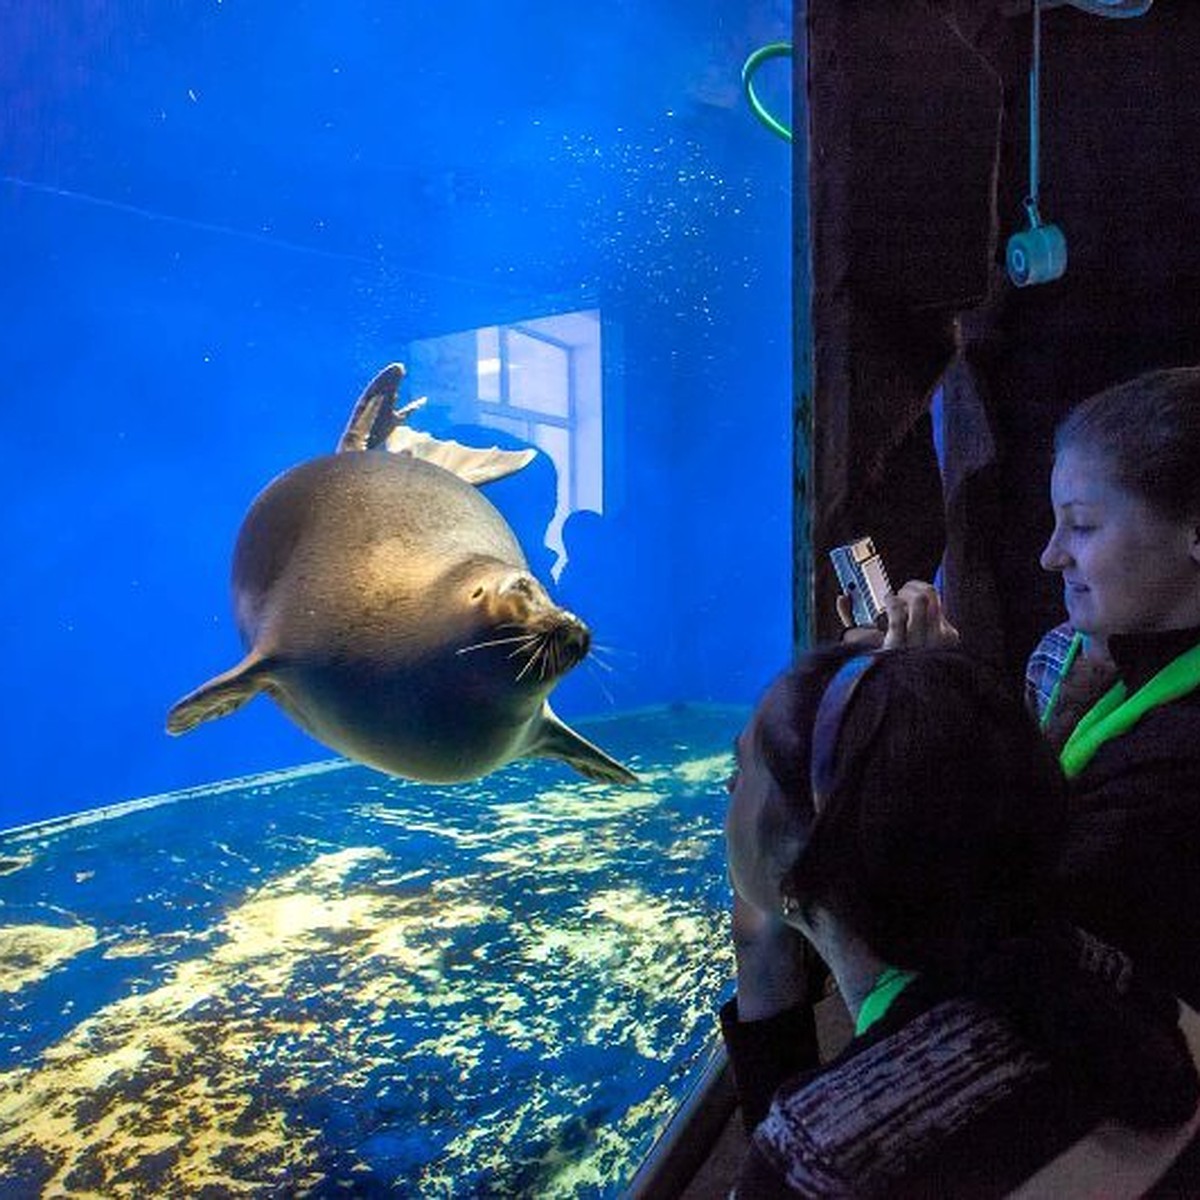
538,652
590,664
524,637
597,657
614,658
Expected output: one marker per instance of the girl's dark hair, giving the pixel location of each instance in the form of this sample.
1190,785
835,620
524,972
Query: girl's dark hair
938,844
1148,431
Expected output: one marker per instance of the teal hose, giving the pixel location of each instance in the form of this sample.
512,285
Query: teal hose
756,60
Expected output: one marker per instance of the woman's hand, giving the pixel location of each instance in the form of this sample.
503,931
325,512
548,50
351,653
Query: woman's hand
914,618
770,962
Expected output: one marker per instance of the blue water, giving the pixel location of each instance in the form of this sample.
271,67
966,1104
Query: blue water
217,222
327,979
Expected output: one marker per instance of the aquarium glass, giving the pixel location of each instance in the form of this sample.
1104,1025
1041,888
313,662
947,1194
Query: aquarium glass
234,961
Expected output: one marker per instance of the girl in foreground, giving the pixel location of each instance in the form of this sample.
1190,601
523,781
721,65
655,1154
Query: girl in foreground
901,816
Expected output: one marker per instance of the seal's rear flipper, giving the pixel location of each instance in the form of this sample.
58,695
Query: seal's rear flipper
467,462
556,740
375,416
376,424
221,695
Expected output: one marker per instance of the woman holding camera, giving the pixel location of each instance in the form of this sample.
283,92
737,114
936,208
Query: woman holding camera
1117,688
900,815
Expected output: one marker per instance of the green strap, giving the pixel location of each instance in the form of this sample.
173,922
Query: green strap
1113,714
889,984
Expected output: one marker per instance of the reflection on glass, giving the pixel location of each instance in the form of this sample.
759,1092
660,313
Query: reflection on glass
541,381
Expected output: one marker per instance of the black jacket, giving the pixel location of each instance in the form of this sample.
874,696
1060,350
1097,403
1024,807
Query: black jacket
1131,867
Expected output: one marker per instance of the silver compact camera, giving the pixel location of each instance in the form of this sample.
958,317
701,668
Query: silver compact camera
862,577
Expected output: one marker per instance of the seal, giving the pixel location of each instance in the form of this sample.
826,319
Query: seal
387,608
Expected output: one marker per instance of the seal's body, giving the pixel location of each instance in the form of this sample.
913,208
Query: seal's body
386,606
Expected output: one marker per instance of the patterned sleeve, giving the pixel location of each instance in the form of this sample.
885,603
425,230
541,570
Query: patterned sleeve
1079,680
1045,667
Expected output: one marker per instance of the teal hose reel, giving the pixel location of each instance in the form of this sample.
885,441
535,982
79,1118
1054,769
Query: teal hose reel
756,60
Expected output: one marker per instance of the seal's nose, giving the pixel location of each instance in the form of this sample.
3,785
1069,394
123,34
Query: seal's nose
574,637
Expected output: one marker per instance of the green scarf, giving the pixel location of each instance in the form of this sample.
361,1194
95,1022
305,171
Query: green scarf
1114,713
890,982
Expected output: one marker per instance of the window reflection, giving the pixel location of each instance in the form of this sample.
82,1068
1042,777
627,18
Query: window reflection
540,381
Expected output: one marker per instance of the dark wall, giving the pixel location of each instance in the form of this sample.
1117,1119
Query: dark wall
1121,176
920,165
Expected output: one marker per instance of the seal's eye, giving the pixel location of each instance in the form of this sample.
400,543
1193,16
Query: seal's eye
477,594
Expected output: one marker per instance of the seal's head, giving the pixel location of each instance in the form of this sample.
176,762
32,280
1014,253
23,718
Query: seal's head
515,619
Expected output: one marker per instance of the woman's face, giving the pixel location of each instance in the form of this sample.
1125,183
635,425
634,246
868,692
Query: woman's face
1125,567
756,867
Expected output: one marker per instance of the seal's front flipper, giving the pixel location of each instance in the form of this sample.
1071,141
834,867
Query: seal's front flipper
556,740
375,416
220,696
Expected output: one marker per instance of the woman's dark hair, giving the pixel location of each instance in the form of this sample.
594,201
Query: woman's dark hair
1148,431
937,845
946,804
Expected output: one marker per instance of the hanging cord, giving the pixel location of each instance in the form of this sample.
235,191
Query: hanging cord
774,50
1102,8
1035,79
